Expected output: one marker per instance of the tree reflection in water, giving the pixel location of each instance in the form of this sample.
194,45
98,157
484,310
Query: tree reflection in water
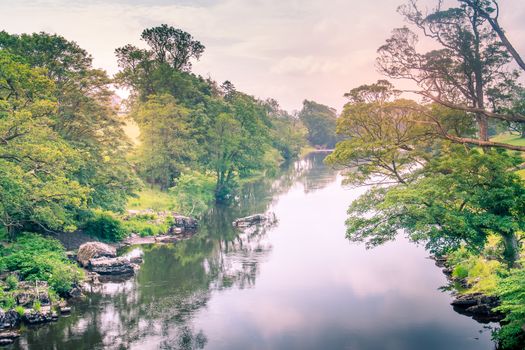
155,309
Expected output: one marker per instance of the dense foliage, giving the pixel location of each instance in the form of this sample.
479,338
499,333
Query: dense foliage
36,258
188,122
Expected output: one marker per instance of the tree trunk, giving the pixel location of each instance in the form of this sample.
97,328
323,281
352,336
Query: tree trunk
512,251
523,130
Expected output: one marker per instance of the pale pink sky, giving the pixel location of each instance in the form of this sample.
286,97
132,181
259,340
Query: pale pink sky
290,50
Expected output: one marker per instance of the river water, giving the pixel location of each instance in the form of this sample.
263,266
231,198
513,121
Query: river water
296,285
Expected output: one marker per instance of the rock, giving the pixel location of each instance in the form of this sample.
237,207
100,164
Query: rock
65,310
94,250
478,306
112,266
166,239
9,319
8,337
76,292
44,315
185,223
29,292
254,219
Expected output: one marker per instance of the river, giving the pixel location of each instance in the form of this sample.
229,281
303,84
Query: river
296,285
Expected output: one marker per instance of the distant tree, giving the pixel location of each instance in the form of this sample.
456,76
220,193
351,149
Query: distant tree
320,121
172,46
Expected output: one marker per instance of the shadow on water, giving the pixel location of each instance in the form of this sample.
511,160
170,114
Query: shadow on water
296,285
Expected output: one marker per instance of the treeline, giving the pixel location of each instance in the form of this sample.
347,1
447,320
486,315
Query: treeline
65,158
435,171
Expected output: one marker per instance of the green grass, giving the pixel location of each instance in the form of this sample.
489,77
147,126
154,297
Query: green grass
152,198
511,139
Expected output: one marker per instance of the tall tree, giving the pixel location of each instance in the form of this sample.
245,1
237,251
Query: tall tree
469,73
37,185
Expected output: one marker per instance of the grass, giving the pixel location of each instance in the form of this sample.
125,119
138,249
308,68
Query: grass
511,139
152,198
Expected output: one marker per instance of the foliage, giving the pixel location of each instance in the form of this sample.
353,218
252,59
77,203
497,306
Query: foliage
511,291
105,226
145,228
84,115
460,197
36,258
36,165
194,193
320,121
469,71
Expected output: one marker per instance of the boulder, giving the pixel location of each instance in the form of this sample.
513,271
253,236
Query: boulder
94,250
112,266
9,319
254,220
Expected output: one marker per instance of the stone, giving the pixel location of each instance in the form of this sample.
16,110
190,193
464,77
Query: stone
185,223
75,292
93,250
65,310
166,239
111,266
254,220
9,319
28,292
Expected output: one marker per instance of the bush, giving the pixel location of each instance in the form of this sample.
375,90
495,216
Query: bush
12,282
144,228
105,226
512,295
37,258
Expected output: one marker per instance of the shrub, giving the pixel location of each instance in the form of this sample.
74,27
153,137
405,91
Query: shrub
37,305
105,226
512,295
12,282
37,258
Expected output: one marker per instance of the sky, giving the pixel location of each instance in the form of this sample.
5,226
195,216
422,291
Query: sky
289,50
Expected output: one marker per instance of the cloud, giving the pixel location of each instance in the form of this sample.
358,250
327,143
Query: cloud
289,50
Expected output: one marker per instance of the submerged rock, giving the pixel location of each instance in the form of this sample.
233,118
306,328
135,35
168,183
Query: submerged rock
254,220
94,250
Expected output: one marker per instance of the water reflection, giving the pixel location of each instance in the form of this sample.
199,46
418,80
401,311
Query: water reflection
299,285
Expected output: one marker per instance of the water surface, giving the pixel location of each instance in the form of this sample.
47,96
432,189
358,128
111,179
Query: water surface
297,285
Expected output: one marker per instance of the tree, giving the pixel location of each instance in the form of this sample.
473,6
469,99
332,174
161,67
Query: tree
320,121
459,198
470,73
172,46
37,186
166,147
86,114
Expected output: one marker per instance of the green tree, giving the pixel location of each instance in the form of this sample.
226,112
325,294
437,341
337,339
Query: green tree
320,121
37,186
459,198
166,147
86,114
